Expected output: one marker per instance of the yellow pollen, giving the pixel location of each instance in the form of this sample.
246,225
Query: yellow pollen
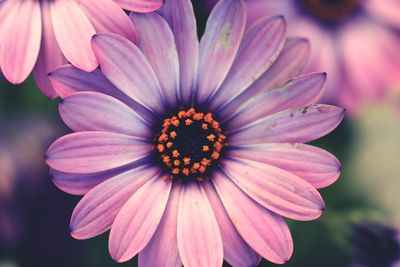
166,159
186,160
191,112
181,114
175,122
198,116
163,137
205,161
208,118
211,137
196,166
215,125
217,146
202,169
160,148
186,171
188,122
172,135
215,155
180,150
175,153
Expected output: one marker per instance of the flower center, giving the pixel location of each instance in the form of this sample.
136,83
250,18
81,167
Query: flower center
330,11
189,143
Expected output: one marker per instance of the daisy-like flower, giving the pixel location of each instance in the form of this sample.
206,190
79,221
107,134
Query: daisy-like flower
41,35
191,152
355,41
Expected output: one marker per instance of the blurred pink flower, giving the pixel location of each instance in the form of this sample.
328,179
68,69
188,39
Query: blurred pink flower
355,41
192,152
41,35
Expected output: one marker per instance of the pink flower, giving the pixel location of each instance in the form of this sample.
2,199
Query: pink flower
192,152
41,35
355,41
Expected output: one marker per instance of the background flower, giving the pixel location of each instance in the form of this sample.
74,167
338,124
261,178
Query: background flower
41,35
355,42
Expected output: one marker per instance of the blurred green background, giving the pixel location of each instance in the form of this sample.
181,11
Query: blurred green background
34,214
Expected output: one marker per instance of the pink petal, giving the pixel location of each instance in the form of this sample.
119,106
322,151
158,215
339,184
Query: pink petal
88,152
219,45
290,126
97,210
73,32
20,49
387,11
80,184
276,189
289,64
180,16
151,29
260,47
266,232
359,61
375,58
8,10
323,56
50,55
138,219
109,17
162,250
199,237
143,6
315,165
128,69
92,111
236,250
68,80
299,92
260,8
